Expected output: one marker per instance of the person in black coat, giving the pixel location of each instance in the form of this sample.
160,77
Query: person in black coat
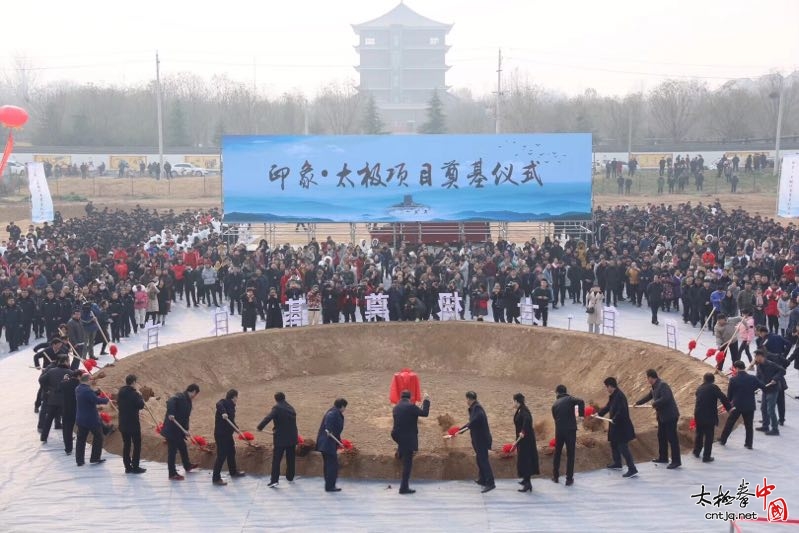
654,297
70,407
526,451
50,380
12,317
481,441
565,431
405,433
741,393
667,415
224,427
249,309
706,416
285,437
129,403
329,432
621,430
273,311
178,411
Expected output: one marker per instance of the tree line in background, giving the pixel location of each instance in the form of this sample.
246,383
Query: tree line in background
197,112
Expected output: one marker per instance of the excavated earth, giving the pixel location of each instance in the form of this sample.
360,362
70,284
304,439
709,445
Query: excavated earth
315,365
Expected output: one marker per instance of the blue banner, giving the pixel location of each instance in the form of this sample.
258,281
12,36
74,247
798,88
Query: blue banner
407,178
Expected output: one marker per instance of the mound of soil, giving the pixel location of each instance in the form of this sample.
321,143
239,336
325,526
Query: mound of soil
315,365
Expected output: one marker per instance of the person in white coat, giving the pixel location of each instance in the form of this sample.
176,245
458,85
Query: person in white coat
593,309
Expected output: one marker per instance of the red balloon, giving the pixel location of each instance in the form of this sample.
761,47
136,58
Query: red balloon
12,116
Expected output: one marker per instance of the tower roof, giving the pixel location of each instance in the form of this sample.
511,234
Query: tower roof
401,15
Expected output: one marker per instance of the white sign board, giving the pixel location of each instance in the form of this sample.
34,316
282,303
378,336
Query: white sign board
41,201
788,199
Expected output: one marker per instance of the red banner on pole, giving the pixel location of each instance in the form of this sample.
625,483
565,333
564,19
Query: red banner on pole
6,153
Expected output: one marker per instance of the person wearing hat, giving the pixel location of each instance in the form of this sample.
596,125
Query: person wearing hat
405,433
77,337
527,454
481,441
741,393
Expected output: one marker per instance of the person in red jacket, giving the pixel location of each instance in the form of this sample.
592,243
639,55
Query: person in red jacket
191,258
179,270
121,269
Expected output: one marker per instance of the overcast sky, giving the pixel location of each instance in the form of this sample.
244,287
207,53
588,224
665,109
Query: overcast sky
614,46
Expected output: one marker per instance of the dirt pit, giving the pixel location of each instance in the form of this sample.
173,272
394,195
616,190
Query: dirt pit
313,366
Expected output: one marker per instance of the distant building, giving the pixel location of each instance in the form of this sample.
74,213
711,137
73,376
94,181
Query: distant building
402,61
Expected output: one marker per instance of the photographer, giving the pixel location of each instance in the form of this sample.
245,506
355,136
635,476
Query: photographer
414,309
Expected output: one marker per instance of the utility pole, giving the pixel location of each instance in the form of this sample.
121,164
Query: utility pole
779,126
160,116
497,128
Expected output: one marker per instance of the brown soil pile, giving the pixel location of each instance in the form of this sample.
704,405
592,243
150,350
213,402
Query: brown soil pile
313,366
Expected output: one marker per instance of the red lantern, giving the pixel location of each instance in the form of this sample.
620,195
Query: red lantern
507,448
106,418
589,410
200,441
691,345
113,349
453,431
692,424
246,435
300,440
405,379
552,443
12,116
720,356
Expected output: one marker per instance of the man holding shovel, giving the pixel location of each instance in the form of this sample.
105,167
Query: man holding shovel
224,426
130,402
175,430
327,439
285,437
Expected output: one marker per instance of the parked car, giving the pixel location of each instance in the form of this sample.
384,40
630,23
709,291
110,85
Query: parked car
187,169
14,169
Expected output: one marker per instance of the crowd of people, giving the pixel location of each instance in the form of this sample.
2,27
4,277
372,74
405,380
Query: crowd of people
93,280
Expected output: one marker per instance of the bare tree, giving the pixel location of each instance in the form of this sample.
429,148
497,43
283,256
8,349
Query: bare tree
674,104
338,107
